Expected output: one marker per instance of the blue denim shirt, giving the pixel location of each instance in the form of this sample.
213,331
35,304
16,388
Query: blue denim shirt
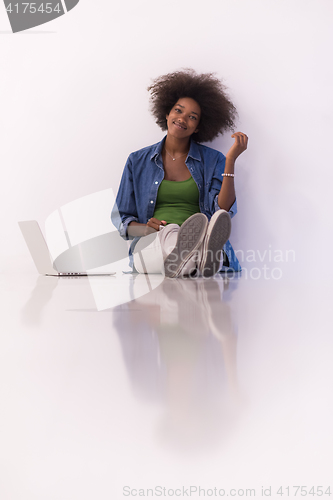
142,176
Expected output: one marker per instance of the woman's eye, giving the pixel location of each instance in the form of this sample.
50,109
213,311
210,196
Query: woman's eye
193,117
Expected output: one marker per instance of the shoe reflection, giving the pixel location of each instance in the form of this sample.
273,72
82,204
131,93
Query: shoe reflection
179,346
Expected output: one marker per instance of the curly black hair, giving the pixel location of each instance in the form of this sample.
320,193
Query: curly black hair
217,111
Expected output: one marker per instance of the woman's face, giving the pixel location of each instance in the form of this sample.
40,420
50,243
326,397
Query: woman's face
183,119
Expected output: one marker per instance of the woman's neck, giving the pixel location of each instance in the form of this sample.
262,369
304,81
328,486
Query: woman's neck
176,146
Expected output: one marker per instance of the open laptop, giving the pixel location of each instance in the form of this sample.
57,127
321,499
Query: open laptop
77,259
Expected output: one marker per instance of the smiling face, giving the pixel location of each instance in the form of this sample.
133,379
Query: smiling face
183,119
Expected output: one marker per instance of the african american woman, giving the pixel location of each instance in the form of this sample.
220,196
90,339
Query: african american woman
176,198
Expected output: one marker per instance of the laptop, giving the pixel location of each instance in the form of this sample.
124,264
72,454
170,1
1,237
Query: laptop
77,259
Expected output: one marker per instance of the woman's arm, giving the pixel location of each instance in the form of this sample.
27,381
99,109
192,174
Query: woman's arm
227,193
125,210
139,229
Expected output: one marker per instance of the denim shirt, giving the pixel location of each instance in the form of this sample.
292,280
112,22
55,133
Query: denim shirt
142,176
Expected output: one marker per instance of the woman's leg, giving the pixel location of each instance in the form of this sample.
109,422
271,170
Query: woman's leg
182,259
151,251
168,243
217,235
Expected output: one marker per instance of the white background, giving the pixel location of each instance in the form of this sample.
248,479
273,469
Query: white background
74,104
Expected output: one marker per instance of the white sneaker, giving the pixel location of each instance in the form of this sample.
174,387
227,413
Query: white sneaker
190,238
218,232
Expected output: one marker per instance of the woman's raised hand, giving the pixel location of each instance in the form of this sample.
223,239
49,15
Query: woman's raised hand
238,147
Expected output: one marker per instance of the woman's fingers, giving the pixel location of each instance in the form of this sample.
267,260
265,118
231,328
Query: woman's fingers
241,139
240,135
238,147
156,223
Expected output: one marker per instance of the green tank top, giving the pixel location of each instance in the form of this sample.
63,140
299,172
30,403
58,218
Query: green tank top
177,201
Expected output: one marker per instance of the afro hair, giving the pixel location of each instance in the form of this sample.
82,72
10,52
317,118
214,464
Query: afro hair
218,114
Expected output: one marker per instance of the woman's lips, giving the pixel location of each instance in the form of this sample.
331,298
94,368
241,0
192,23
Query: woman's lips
179,126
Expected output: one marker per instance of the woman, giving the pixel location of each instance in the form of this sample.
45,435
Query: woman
176,197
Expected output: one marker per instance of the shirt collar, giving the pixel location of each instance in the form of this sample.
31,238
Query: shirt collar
158,148
194,151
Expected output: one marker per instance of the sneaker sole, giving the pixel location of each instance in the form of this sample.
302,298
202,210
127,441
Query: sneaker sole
190,237
218,233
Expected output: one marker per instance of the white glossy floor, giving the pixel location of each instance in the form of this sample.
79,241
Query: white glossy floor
215,383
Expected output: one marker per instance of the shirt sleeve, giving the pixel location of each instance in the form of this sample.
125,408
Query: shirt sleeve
216,186
124,210
232,210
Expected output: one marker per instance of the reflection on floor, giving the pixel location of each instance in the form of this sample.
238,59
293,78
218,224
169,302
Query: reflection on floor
214,382
179,348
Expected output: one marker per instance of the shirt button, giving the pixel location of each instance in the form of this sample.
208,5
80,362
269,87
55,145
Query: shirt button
156,182
151,201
